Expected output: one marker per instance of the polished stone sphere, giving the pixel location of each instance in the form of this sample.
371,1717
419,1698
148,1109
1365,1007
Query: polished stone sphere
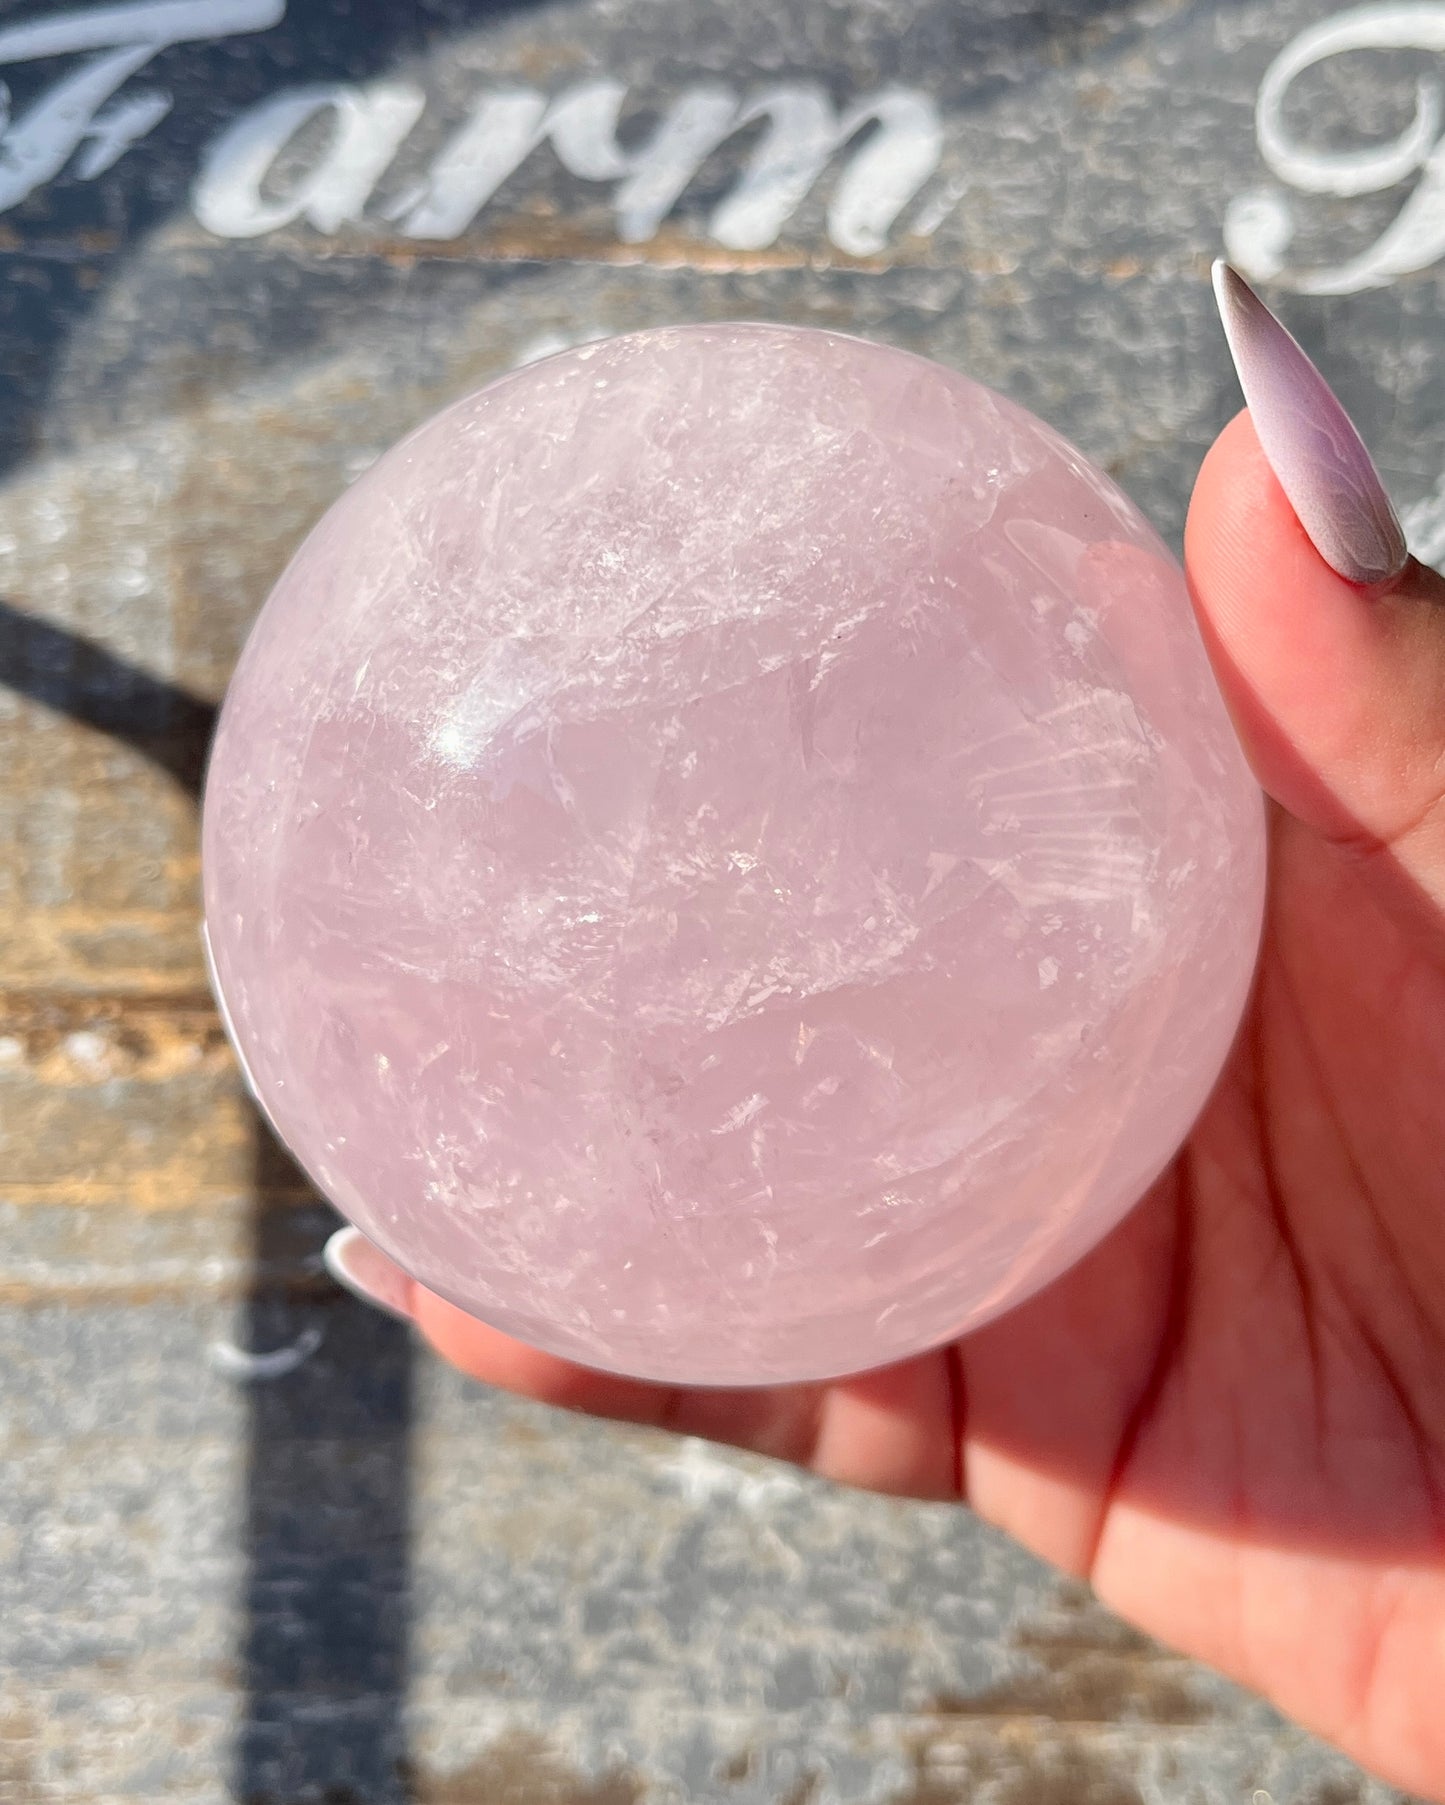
725,858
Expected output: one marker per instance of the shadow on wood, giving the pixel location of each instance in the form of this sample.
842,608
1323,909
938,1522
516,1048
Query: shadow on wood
327,1523
327,1584
78,678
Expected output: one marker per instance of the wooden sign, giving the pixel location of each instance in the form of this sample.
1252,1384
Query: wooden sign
248,1547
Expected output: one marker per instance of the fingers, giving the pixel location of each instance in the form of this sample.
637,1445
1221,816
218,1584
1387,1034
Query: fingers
484,1352
1338,690
888,1431
496,1359
885,1431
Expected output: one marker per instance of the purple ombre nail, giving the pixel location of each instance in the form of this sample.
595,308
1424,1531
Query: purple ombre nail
367,1273
1310,441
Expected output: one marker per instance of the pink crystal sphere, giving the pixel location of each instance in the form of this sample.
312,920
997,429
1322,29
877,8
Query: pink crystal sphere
724,856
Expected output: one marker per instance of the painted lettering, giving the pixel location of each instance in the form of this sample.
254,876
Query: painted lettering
72,115
368,127
1259,226
805,132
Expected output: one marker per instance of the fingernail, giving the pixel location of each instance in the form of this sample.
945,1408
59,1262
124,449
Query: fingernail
365,1272
1310,441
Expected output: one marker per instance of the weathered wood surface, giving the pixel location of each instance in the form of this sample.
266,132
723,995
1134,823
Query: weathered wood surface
342,1574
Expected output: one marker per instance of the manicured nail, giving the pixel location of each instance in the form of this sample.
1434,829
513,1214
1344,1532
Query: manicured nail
1310,441
366,1272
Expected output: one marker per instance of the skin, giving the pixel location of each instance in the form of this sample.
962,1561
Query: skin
1231,1417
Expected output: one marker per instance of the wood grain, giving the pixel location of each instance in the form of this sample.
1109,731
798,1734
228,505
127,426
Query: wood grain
251,1547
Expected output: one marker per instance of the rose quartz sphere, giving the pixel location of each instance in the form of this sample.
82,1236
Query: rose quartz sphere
725,858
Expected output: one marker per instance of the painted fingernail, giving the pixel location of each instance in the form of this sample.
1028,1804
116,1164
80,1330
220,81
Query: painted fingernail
365,1271
1310,441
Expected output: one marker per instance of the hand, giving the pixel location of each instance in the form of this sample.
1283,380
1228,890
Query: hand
1231,1417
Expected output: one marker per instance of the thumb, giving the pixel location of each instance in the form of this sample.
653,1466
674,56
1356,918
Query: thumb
1337,687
